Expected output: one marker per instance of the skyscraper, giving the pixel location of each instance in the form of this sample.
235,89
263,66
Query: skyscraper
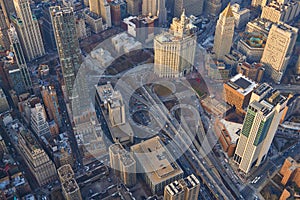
16,81
174,51
51,103
191,7
4,41
64,26
259,127
224,33
155,8
281,11
38,120
213,7
19,55
102,9
4,106
38,162
123,163
134,7
278,50
28,29
256,3
8,8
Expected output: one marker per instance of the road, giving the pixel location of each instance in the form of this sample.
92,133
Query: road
161,114
66,124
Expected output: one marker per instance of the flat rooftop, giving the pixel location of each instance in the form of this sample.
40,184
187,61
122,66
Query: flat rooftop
232,129
104,91
156,161
242,84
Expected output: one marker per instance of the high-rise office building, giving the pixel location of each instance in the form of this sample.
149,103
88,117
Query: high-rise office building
241,16
64,26
70,188
102,9
4,41
28,29
38,162
38,120
260,124
118,11
134,7
16,81
183,189
281,11
191,7
19,55
123,163
224,33
213,7
155,8
4,106
257,3
278,50
298,66
46,27
51,103
174,51
8,8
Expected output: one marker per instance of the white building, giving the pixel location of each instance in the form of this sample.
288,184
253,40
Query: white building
260,124
38,120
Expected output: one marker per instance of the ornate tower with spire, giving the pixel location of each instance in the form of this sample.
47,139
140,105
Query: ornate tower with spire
174,51
224,33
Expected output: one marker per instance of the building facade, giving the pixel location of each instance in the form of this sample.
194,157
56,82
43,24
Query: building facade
238,90
20,57
189,6
28,29
155,8
278,50
258,3
252,45
118,10
38,120
4,40
241,16
281,11
123,163
38,162
4,106
134,7
224,33
64,26
260,124
174,51
254,71
213,7
51,102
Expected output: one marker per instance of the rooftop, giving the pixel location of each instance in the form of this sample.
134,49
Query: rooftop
270,96
227,12
156,161
242,84
125,157
232,129
105,91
